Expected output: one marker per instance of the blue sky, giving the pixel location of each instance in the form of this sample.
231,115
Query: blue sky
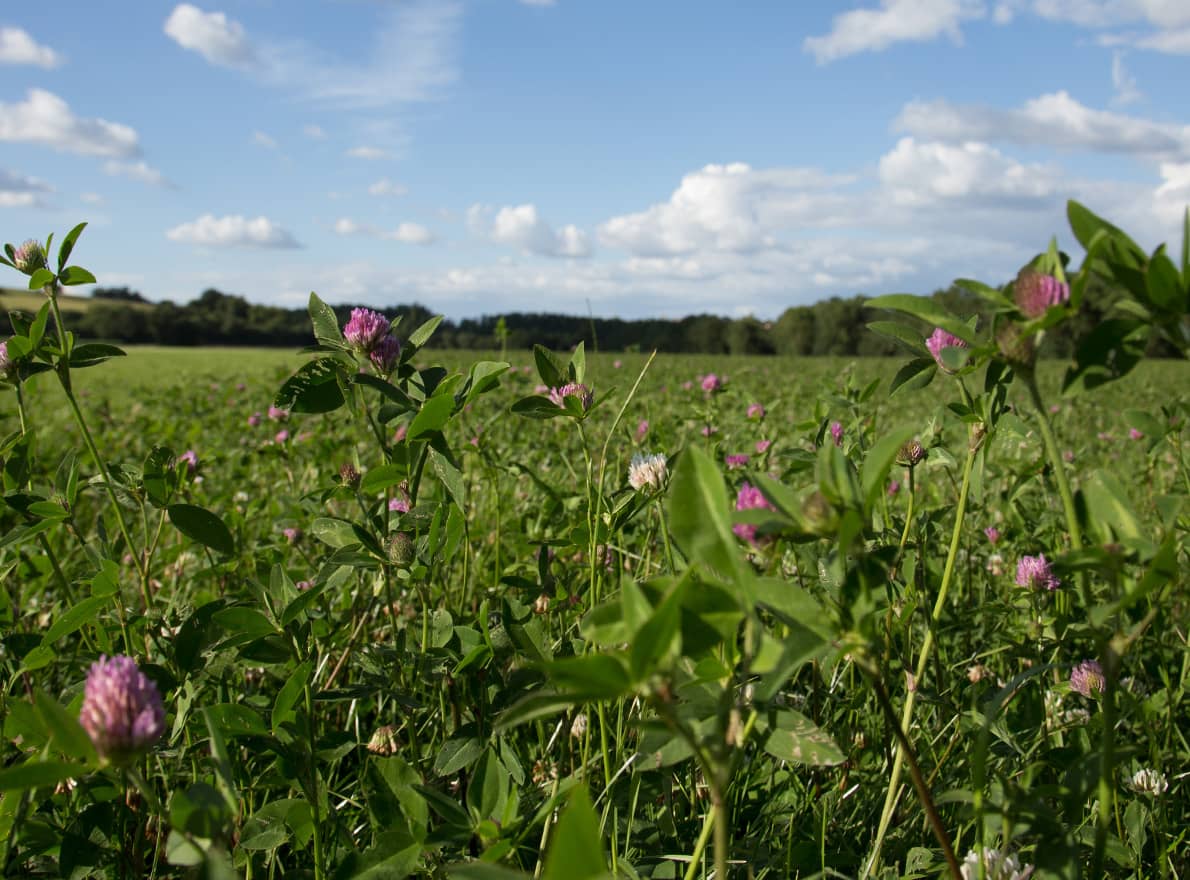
652,158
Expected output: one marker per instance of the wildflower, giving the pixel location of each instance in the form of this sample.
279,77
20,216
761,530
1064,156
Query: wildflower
280,437
253,420
993,534
1034,572
401,551
277,414
302,586
911,454
384,741
735,462
366,329
541,605
1058,716
1149,782
122,710
7,366
709,430
711,383
894,486
939,340
1105,437
687,385
616,364
1087,677
349,476
386,353
579,726
572,389
29,257
642,430
399,434
190,458
1036,293
292,534
995,566
756,411
398,505
762,446
648,473
837,433
1134,434
749,498
996,866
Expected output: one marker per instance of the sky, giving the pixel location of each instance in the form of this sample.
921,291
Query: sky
632,158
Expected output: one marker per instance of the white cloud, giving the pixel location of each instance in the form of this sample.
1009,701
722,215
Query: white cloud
407,233
386,187
314,132
1172,197
141,171
896,21
916,173
538,2
1110,13
1055,120
91,198
260,139
44,118
523,228
371,154
731,207
17,47
1171,42
21,191
1123,82
232,230
213,35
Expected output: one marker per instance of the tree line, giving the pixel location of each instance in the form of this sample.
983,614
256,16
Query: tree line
834,326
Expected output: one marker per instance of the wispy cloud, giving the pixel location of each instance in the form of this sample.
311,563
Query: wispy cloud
21,191
140,170
896,21
260,139
407,233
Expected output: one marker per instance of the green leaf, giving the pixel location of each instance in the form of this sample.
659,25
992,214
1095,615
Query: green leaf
326,325
38,774
591,677
916,374
199,524
457,753
85,611
576,848
661,634
380,478
67,247
1163,283
290,693
394,856
403,402
64,729
907,336
553,373
926,309
699,513
73,275
796,739
91,353
1106,354
432,417
483,377
236,719
878,462
314,388
447,471
577,369
159,475
337,533
243,624
40,279
1084,224
484,871
422,334
1108,507
535,406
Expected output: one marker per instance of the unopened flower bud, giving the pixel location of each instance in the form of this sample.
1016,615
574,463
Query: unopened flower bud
29,257
349,476
401,551
819,514
911,454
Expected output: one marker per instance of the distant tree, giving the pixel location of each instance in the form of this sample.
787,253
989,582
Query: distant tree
122,294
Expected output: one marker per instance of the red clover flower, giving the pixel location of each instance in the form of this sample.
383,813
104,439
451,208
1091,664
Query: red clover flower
122,710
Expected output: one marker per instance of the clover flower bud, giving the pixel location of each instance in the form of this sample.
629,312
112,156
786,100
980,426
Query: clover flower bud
365,329
349,476
1087,677
911,454
401,551
386,354
1035,573
939,340
648,473
572,389
29,257
1035,293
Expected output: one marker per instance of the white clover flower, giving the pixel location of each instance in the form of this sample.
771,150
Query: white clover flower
1149,782
997,866
648,473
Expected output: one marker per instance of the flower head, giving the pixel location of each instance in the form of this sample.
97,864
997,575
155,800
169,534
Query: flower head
1036,293
756,411
993,534
911,454
253,420
648,473
572,389
837,433
939,340
1149,782
190,457
292,534
277,414
749,498
365,329
1087,677
385,354
996,866
1134,434
642,430
1034,572
29,257
122,710
762,446
711,383
735,462
7,365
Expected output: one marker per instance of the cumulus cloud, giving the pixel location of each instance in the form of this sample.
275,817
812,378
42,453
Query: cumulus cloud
521,227
1054,120
141,171
44,118
21,191
17,47
386,187
916,173
731,207
212,35
896,21
232,230
406,233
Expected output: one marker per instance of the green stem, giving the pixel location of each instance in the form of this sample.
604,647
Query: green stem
923,658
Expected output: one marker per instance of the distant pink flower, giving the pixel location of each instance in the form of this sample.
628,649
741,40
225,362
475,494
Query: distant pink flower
1105,437
277,414
762,446
399,434
1087,677
386,354
253,420
1055,409
366,329
474,441
709,430
398,504
617,364
894,486
542,389
302,586
7,365
1035,573
281,437
292,535
735,462
993,534
642,430
749,498
1036,293
190,457
572,389
1068,455
711,383
837,433
240,386
1134,434
687,385
755,411
939,340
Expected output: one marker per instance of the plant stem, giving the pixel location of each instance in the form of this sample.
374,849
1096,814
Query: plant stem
923,658
700,846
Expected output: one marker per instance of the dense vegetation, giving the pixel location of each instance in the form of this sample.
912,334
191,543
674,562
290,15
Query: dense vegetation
376,611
